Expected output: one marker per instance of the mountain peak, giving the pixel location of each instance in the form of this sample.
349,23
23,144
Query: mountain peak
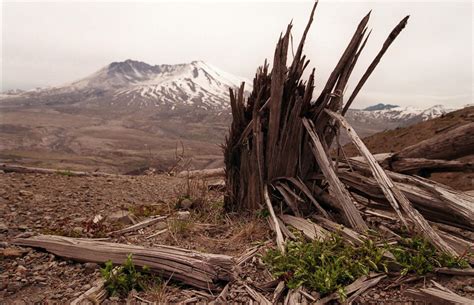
380,106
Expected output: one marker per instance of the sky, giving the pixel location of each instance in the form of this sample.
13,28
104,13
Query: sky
53,43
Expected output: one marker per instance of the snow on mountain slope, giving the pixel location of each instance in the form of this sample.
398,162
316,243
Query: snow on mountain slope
137,84
399,114
197,83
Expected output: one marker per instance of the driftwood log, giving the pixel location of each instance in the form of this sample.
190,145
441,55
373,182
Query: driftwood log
201,270
452,144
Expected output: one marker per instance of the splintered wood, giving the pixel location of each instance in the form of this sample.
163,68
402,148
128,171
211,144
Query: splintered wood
278,153
202,270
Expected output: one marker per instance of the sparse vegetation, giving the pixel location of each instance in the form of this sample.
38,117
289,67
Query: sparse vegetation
147,210
328,265
121,280
66,173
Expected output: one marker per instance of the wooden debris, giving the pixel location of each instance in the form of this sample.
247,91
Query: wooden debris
204,173
449,145
143,224
438,295
453,271
393,194
339,190
278,292
309,229
356,288
197,269
279,236
259,298
95,295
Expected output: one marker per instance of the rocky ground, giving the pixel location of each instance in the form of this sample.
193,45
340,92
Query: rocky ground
67,205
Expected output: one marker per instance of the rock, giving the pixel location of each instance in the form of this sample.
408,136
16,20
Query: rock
87,287
77,230
25,193
4,244
3,227
12,252
21,269
90,267
120,217
183,214
469,289
186,204
14,286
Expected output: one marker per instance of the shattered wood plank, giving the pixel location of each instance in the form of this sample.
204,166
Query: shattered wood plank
302,187
438,296
201,270
363,283
257,296
95,295
143,224
351,213
348,234
393,194
454,271
279,236
278,292
222,297
391,37
310,229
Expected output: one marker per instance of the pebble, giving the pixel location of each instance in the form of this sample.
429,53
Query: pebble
90,267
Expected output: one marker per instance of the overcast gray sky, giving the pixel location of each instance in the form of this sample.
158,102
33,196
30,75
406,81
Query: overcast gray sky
52,43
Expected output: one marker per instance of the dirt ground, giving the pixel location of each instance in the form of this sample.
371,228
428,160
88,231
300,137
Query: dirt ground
59,204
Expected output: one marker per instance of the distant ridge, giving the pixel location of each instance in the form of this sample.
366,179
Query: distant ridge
380,106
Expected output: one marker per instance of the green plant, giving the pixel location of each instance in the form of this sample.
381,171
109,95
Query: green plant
330,264
66,173
119,281
419,256
324,265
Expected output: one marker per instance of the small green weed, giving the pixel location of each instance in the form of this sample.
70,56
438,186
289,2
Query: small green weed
419,256
66,173
324,265
121,280
147,210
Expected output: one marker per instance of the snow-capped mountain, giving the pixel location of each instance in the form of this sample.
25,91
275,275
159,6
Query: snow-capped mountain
393,113
134,83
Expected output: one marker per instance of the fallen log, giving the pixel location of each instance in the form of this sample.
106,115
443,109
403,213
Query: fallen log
11,168
435,202
201,270
204,173
449,145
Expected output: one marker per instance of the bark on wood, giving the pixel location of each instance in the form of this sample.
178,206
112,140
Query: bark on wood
449,145
202,270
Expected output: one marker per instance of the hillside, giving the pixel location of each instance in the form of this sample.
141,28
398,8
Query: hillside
399,138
